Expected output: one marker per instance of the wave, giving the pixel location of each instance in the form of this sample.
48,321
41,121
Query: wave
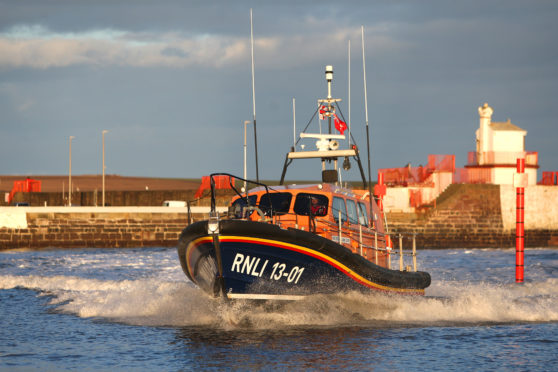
157,302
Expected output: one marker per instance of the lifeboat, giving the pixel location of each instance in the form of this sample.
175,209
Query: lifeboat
286,242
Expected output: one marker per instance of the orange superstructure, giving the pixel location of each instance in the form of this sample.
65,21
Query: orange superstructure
335,213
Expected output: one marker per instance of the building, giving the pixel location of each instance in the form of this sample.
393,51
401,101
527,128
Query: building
499,145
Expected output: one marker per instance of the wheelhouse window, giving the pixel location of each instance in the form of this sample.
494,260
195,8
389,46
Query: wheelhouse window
339,206
352,211
362,215
279,201
240,204
306,203
242,201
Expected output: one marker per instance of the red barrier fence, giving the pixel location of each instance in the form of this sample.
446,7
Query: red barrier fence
441,163
472,175
502,157
221,182
405,176
549,179
475,173
420,176
27,185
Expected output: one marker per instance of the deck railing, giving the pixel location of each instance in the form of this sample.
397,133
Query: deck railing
381,242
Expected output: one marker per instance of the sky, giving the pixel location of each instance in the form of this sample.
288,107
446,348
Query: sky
171,81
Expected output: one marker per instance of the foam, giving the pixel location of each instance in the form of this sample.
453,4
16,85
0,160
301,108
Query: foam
160,302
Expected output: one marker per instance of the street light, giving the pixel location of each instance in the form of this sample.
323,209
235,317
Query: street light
246,122
104,167
70,175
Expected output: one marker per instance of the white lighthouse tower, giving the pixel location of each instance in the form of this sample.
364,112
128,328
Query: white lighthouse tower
499,145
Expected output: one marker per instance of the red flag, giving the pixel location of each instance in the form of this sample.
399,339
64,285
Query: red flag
340,125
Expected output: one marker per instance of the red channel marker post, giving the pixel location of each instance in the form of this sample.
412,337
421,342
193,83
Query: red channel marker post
519,220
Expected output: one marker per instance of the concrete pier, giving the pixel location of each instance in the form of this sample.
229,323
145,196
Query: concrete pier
482,216
72,227
465,216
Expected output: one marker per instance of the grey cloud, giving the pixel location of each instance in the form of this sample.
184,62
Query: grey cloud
174,52
175,79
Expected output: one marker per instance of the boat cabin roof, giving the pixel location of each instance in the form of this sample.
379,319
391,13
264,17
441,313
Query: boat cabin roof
322,195
319,188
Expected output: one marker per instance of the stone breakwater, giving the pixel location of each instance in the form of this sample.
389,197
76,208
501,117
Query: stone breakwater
482,216
465,216
76,227
451,229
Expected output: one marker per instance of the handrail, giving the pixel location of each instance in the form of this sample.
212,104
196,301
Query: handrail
364,232
401,252
370,233
231,176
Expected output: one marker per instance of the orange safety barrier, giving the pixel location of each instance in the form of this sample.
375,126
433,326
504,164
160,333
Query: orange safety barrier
549,179
408,175
405,175
27,185
221,182
502,157
472,175
441,163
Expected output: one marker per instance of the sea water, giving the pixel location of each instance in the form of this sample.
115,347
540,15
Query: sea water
134,309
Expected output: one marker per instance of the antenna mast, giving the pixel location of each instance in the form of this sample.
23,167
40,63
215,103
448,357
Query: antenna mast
329,78
366,117
254,96
294,124
349,90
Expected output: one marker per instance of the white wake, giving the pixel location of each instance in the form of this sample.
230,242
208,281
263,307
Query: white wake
156,302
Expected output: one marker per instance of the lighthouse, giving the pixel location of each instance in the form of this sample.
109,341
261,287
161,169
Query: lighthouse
498,146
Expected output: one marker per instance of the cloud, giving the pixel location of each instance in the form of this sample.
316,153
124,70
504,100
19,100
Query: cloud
39,48
25,106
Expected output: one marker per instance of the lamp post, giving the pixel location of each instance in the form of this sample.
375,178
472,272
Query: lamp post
104,167
246,122
70,175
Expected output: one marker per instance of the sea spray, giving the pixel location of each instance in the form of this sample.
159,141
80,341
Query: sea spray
465,321
156,302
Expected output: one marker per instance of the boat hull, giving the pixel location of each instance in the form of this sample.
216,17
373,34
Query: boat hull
264,261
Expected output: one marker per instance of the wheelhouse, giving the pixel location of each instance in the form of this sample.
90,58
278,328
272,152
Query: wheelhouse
338,214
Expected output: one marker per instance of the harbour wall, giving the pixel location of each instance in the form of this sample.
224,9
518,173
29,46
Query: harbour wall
482,216
465,216
83,227
113,198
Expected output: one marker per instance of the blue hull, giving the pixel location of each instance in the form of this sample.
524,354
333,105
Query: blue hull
263,261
